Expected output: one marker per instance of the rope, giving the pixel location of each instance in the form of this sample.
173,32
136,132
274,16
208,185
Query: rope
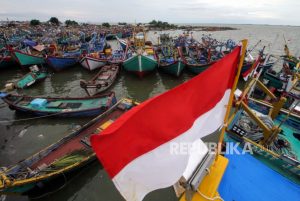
51,192
208,198
11,121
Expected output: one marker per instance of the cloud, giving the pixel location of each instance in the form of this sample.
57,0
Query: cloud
174,11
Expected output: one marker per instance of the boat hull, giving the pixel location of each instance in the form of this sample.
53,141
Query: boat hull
273,80
175,68
25,59
41,187
61,63
140,65
6,62
197,69
91,64
93,110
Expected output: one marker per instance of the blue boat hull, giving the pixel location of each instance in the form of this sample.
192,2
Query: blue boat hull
61,63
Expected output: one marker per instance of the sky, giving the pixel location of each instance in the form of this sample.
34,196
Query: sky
274,12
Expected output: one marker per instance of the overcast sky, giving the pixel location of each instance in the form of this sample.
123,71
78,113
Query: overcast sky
284,12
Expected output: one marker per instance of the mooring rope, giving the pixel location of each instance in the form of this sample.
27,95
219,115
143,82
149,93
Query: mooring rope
40,117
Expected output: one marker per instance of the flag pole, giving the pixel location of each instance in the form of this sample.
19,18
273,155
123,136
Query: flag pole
242,57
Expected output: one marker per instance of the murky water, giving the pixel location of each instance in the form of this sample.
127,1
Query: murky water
21,139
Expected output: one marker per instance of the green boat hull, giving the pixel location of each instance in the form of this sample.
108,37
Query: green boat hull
27,59
273,81
197,69
175,68
42,186
140,64
18,190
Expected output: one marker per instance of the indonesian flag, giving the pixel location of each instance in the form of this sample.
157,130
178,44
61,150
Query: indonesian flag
250,72
135,149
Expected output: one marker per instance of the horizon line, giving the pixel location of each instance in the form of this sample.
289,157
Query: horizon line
176,23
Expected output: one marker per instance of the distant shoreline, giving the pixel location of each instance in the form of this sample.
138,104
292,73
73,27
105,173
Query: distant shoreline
198,28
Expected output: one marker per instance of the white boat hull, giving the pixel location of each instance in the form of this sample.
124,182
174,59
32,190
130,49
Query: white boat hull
92,63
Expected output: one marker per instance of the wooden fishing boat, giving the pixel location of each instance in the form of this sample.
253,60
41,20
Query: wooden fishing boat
200,56
36,75
61,63
111,36
93,61
98,53
169,57
279,76
141,58
66,107
26,59
102,81
197,59
61,159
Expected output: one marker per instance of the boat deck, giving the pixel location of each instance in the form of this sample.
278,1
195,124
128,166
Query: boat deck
76,143
59,105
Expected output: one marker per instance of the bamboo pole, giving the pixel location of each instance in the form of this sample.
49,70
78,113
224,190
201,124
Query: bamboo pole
242,57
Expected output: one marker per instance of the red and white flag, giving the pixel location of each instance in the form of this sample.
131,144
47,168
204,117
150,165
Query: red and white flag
250,72
135,149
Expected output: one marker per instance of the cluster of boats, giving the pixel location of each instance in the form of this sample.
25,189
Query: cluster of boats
266,113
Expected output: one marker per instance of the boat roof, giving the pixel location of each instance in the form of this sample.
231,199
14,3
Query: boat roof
248,179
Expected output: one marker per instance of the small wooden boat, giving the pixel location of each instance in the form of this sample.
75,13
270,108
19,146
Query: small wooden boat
141,58
36,75
97,56
102,81
66,107
26,59
169,57
100,58
61,159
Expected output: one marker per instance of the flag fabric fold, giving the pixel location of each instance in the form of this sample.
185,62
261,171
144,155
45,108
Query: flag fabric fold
136,150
